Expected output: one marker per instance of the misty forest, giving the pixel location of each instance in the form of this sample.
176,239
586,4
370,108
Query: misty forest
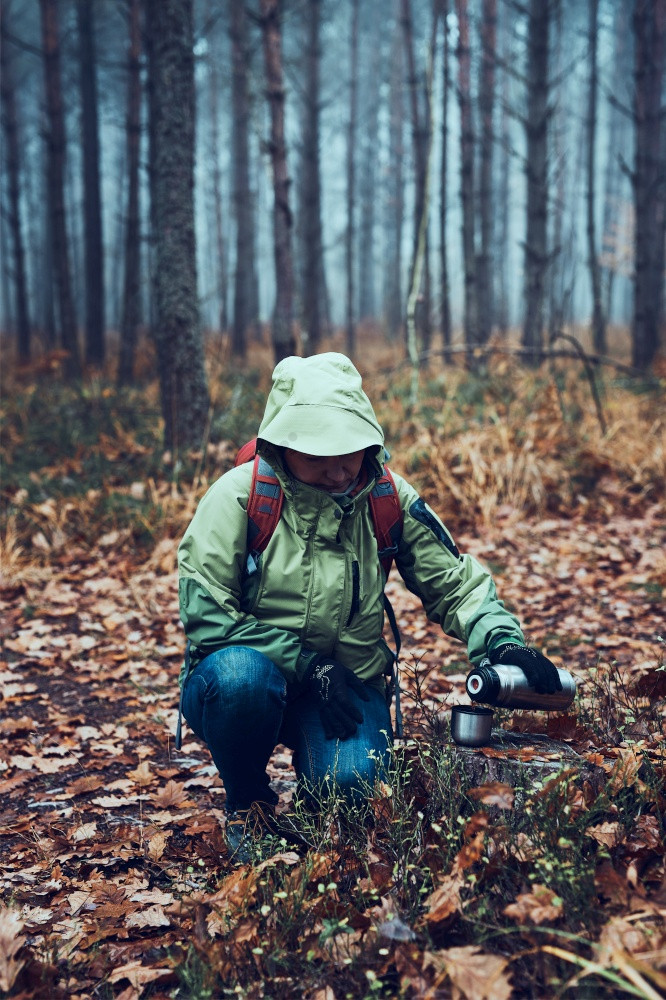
468,199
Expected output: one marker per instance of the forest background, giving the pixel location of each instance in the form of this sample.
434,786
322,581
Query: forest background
468,198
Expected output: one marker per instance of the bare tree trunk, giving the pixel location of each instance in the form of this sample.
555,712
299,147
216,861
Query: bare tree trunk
216,179
370,104
55,137
501,232
536,167
471,320
444,179
314,290
244,313
351,180
92,209
283,315
648,179
14,194
485,270
184,392
131,307
598,321
395,205
421,139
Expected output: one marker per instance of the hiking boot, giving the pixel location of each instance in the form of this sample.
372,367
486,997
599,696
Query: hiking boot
244,831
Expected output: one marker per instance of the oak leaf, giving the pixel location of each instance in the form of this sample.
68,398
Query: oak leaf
11,942
609,834
475,974
86,831
77,900
154,916
157,844
539,906
445,900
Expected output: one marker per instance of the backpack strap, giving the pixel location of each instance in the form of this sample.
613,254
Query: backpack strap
387,518
264,505
247,452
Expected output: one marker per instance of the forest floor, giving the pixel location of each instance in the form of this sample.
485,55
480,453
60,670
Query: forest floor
115,878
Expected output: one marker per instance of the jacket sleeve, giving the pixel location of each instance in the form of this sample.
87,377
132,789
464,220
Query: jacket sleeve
457,592
211,566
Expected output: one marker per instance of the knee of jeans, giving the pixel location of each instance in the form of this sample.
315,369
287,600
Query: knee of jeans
354,777
234,674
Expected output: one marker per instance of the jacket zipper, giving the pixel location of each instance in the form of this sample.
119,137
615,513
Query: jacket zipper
356,593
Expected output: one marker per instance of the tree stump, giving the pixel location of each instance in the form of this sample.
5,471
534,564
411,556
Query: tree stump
523,759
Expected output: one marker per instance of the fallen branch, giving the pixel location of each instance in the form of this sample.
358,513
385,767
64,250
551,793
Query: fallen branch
529,352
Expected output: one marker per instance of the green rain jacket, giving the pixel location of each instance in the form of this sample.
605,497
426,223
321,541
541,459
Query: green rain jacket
318,586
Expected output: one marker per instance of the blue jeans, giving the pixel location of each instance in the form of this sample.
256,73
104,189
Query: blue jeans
239,703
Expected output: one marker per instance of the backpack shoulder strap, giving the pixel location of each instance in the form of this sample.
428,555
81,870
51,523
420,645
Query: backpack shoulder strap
264,505
387,518
247,452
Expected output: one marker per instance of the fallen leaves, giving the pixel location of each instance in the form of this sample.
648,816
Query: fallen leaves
540,905
11,942
115,848
474,974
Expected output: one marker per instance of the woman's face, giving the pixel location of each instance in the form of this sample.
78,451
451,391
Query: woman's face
333,473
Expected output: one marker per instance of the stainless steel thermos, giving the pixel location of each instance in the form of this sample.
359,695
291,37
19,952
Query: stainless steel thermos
506,685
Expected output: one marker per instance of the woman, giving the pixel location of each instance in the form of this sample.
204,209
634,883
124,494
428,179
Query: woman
285,643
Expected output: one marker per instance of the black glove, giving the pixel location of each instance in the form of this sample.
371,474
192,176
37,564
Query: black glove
329,680
540,672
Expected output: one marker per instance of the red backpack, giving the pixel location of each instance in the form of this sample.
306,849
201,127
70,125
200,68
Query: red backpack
265,506
263,513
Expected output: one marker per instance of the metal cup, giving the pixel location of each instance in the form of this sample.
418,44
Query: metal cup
471,726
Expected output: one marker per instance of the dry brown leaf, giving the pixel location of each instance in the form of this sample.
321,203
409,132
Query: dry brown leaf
237,889
11,942
157,844
154,916
88,783
286,858
154,896
115,801
609,834
474,835
137,974
445,900
77,900
539,906
646,835
324,994
141,775
86,831
625,770
173,794
475,974
495,793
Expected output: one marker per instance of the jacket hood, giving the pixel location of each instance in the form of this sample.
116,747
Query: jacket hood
317,406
